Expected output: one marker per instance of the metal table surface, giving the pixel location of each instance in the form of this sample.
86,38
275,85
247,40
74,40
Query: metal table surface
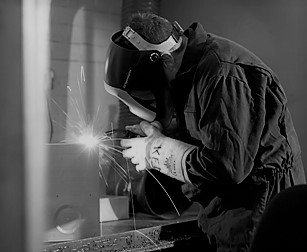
142,232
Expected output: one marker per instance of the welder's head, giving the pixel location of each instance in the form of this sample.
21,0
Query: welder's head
134,68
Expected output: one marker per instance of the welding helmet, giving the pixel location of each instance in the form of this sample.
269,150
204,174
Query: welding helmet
134,74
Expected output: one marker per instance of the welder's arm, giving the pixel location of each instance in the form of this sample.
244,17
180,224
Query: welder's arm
156,151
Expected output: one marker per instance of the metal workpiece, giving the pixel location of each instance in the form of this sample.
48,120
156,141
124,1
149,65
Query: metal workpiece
185,234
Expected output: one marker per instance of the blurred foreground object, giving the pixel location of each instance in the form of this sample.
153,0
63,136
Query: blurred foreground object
283,224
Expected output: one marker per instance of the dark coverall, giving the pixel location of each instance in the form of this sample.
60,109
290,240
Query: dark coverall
232,106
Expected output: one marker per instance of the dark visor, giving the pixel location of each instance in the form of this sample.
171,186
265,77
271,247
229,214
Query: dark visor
139,73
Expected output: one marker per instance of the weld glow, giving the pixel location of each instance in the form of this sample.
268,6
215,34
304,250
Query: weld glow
89,140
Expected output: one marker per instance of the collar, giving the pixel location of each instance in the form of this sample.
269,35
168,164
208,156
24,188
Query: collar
197,38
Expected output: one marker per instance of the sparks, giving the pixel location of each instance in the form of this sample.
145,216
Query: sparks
84,129
89,140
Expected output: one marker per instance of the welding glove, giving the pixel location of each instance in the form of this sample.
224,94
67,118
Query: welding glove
136,128
156,151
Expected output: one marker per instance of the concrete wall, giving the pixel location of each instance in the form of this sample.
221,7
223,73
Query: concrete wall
80,35
12,231
275,30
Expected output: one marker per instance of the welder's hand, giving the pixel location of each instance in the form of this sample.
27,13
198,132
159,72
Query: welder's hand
136,128
136,147
156,151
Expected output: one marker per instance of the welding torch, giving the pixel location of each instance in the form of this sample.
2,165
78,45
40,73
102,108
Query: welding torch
123,133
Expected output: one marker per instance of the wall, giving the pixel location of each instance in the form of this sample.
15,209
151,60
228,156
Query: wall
80,33
12,230
275,30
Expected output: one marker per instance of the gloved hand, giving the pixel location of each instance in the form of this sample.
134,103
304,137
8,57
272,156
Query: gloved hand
136,128
156,151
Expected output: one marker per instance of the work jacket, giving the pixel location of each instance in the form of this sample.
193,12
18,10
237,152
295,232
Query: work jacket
233,108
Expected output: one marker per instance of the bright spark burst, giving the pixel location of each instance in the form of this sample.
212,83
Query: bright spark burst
86,135
89,140
84,129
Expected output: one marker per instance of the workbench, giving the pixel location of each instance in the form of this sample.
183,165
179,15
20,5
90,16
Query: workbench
142,232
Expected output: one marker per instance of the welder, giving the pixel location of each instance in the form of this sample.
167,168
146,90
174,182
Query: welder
215,117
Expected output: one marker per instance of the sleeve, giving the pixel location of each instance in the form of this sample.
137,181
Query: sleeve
231,120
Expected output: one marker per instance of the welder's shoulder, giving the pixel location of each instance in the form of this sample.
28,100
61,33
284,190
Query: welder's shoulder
221,51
